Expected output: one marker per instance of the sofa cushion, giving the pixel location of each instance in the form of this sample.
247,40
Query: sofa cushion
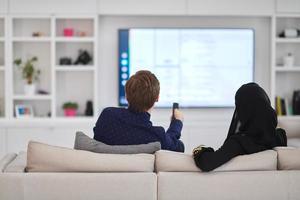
243,185
84,142
46,158
18,165
167,161
288,158
8,158
294,142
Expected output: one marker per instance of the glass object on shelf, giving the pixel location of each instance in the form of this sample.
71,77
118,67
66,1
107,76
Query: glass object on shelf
288,60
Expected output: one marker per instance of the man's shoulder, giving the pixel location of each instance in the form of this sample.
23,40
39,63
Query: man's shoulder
113,110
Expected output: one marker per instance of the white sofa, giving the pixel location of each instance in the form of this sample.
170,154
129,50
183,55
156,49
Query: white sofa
272,174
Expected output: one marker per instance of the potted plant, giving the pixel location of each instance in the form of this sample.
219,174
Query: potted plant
70,109
29,73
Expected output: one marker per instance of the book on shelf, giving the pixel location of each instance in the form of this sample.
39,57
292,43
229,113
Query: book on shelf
282,106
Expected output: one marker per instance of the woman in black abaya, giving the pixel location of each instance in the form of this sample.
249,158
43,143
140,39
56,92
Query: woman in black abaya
252,129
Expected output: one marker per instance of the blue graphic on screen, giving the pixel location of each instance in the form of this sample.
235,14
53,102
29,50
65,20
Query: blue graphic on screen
195,67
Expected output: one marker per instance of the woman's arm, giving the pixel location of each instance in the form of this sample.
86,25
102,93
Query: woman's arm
207,159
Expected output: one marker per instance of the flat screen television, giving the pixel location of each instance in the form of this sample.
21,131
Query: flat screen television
200,67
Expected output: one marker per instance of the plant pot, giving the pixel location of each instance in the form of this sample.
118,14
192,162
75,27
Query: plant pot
29,89
70,112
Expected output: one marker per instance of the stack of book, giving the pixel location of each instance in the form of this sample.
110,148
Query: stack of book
282,106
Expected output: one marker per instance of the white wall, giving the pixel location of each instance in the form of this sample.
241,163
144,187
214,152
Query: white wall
201,126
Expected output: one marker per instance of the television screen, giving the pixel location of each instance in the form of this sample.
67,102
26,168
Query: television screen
195,67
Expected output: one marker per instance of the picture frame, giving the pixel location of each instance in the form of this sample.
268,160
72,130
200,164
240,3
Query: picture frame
24,111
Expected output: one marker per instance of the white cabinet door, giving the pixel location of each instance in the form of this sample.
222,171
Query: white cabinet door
17,139
288,6
3,6
142,7
53,6
231,7
2,143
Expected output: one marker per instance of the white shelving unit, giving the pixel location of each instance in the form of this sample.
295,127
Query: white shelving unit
285,79
24,45
62,83
70,78
3,47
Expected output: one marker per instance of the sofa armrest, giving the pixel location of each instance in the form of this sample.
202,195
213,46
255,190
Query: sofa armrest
6,160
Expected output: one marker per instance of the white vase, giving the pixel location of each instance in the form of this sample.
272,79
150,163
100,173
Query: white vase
29,89
288,61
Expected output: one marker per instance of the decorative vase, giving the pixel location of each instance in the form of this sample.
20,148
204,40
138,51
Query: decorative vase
68,32
288,60
29,89
70,112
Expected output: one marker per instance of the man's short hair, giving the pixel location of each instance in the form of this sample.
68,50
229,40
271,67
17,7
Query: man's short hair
142,91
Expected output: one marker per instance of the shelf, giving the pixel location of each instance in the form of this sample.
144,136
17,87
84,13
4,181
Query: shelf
48,122
288,16
75,68
49,48
35,97
75,39
288,40
289,118
287,69
31,39
76,118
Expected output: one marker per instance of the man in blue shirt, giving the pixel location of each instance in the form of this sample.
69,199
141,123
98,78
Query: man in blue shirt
132,125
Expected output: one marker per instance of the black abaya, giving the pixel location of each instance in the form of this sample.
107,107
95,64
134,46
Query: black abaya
252,129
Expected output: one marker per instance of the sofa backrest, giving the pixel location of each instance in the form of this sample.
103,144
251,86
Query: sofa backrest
46,158
288,158
167,161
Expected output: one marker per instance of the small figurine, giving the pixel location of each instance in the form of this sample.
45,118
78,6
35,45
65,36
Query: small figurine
37,34
84,58
89,111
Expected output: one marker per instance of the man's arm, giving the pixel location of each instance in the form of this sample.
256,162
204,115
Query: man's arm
171,136
175,128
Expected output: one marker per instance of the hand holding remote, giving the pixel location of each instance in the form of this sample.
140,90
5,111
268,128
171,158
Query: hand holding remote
176,114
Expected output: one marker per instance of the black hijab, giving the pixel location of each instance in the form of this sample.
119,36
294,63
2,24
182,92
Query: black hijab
254,121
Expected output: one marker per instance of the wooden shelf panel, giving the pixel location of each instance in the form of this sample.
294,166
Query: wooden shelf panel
33,97
74,39
287,40
75,68
289,118
287,69
31,39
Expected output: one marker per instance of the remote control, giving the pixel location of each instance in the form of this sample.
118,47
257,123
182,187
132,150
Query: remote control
175,106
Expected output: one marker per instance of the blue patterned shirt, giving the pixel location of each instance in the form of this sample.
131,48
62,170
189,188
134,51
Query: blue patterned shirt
122,126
